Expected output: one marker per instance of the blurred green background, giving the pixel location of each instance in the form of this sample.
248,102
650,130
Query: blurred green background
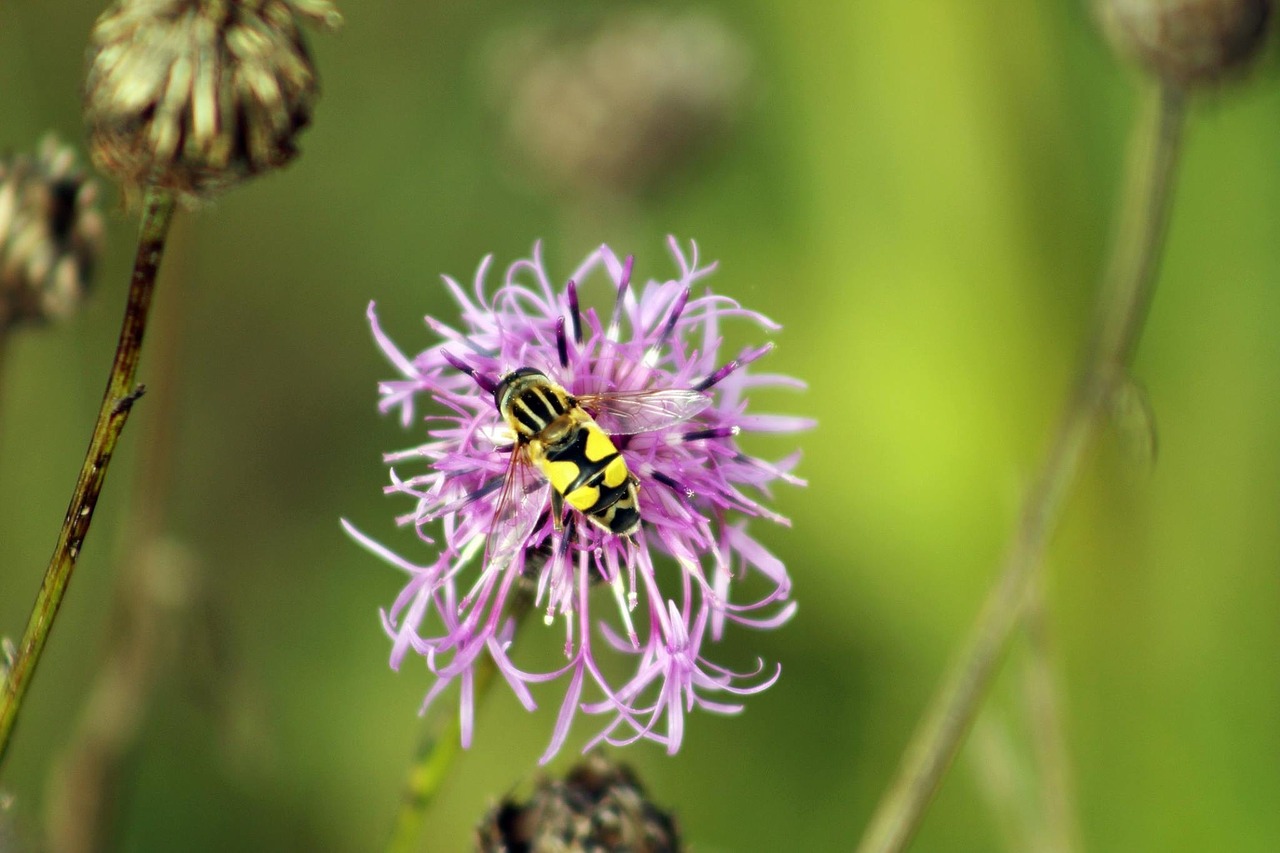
921,193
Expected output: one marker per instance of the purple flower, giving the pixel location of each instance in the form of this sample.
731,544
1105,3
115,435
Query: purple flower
696,490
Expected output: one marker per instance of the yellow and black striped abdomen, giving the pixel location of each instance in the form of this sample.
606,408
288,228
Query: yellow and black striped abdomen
587,469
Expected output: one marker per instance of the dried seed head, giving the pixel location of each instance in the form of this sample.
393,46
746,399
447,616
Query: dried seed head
1188,42
198,95
613,111
598,807
51,235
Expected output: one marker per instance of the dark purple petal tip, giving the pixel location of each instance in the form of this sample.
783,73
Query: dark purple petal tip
489,385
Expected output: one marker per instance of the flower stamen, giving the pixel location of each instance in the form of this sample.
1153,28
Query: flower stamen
651,357
748,355
484,382
615,322
713,432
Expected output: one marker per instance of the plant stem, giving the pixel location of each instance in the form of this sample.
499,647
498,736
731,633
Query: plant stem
438,748
154,612
116,403
1129,285
1044,704
4,360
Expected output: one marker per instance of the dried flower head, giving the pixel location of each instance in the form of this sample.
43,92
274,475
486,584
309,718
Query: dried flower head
696,490
599,806
51,235
1188,42
198,95
615,110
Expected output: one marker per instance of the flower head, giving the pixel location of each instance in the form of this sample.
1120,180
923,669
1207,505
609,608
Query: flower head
51,235
616,108
599,805
696,488
1188,42
198,95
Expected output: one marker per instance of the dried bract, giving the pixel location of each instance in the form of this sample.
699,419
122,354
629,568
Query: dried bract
598,807
51,235
198,95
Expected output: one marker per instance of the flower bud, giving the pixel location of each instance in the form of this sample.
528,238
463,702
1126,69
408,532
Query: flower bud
198,95
51,235
1188,42
598,806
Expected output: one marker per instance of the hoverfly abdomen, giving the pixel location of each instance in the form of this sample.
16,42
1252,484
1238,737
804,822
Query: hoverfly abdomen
590,474
622,518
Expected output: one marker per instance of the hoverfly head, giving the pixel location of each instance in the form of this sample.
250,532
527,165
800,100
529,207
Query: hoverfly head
514,381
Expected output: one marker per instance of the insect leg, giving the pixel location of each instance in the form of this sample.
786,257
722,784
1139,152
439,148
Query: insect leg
557,510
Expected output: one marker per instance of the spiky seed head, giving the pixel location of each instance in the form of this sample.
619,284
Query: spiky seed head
198,95
1188,42
51,234
598,806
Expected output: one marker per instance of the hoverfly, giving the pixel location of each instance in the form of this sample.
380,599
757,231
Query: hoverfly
566,440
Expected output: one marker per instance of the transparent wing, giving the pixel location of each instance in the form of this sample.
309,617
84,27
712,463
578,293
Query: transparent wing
441,507
502,440
643,411
520,504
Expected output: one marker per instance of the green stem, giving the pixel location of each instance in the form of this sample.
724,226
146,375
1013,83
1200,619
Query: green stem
438,748
1044,705
4,360
1130,282
112,414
